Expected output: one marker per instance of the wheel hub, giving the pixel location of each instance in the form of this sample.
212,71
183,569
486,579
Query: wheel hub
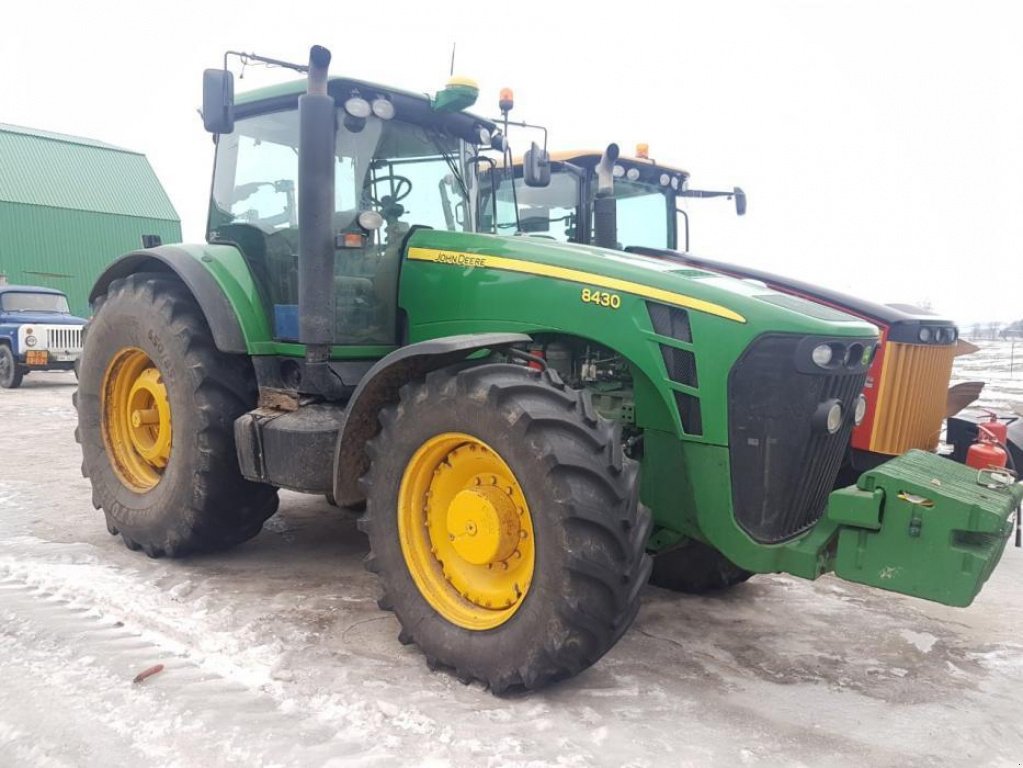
483,525
148,415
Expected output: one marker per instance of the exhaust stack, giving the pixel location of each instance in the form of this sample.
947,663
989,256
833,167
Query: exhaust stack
316,115
605,207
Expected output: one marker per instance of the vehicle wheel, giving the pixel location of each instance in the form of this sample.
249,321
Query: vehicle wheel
505,525
695,568
156,407
10,372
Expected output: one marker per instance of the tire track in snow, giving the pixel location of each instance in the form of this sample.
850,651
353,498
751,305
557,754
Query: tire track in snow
88,659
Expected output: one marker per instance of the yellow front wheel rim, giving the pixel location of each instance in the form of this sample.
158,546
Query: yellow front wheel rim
466,531
136,419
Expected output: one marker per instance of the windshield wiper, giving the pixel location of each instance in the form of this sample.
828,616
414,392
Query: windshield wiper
452,165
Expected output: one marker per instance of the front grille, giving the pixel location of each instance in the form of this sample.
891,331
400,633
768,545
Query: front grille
783,467
911,397
69,338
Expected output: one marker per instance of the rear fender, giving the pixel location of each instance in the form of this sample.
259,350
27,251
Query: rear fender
219,279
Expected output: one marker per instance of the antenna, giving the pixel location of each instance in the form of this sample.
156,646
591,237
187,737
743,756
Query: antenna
452,72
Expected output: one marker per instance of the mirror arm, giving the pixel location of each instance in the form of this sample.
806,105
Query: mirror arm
703,193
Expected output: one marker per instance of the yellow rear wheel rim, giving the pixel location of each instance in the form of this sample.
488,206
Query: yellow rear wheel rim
136,419
466,531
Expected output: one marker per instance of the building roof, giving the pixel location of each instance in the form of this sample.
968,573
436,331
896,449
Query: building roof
59,171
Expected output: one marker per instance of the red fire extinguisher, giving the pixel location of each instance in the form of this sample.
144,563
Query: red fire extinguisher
987,452
999,429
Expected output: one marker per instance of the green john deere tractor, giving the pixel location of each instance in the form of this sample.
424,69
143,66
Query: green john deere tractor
346,331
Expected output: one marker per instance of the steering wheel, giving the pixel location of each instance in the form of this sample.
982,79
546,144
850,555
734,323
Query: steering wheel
402,189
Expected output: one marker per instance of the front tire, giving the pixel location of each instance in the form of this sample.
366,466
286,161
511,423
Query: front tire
156,408
505,525
11,373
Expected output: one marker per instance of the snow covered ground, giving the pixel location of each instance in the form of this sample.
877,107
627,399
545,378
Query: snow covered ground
276,653
1000,364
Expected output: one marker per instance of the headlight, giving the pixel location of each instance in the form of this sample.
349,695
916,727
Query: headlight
370,220
828,416
358,107
925,334
859,410
484,135
822,355
632,174
30,341
383,108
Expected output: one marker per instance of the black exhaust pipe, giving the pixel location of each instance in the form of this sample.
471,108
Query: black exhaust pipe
316,119
605,207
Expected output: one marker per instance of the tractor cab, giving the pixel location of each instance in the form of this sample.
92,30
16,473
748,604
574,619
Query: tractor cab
399,162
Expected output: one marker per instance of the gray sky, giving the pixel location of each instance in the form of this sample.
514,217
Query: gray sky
880,143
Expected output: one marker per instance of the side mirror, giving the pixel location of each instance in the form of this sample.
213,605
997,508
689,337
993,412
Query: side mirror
740,201
536,167
218,101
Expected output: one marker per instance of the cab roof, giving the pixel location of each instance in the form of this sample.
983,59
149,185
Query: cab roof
592,157
408,105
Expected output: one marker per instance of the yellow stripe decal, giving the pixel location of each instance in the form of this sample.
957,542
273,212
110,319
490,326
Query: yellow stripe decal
459,259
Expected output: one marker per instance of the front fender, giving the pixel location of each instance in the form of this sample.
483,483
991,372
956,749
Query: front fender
380,386
9,336
218,278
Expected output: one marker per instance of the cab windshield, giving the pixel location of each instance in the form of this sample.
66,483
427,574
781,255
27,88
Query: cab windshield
645,211
409,174
21,301
552,211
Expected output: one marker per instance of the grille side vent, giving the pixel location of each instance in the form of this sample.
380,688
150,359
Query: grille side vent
689,412
681,365
670,321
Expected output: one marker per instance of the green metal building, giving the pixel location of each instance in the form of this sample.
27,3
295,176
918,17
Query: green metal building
69,206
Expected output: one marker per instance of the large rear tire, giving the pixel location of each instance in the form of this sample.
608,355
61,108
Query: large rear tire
11,373
695,568
505,525
156,407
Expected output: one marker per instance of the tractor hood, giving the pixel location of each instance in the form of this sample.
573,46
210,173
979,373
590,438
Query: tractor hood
701,291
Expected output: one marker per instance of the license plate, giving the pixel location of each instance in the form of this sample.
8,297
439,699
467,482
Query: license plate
36,357
66,358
